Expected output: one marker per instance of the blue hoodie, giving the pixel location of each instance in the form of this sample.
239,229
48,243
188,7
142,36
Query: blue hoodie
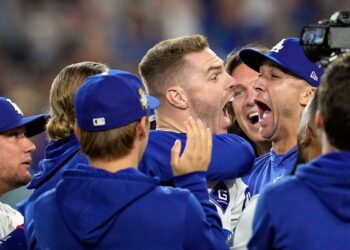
93,208
59,156
308,211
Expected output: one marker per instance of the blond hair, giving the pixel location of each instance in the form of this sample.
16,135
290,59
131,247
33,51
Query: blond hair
62,92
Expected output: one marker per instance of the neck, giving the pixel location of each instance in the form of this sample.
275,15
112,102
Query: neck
130,160
170,123
4,189
262,147
283,146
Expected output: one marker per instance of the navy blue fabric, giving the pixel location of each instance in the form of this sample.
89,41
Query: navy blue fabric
93,208
232,156
59,156
309,210
270,168
14,241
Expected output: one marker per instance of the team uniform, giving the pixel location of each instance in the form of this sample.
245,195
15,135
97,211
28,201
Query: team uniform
93,208
59,156
270,168
309,210
9,219
232,156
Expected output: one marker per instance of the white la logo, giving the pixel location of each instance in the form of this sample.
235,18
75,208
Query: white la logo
278,46
14,105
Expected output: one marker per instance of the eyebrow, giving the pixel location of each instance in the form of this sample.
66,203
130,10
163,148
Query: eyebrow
214,68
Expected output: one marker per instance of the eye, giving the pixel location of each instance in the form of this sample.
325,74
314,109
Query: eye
238,93
214,77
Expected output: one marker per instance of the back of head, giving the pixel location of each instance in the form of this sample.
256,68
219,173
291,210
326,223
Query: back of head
163,62
334,104
108,107
62,93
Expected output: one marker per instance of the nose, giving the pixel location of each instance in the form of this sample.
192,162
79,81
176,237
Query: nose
259,85
250,97
29,146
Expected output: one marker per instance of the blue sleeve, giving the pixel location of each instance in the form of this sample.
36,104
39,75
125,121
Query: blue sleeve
263,230
232,157
201,215
15,240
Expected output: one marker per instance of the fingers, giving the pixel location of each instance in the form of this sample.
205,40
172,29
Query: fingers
175,156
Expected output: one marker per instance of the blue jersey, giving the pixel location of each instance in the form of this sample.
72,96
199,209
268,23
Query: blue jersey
307,211
270,168
232,157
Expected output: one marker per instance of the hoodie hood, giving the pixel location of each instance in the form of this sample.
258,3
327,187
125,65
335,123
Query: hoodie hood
57,153
90,214
328,176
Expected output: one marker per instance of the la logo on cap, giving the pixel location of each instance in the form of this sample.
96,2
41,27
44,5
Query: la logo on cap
314,76
278,46
14,105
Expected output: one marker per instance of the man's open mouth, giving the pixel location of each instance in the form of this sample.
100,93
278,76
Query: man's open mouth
253,118
264,110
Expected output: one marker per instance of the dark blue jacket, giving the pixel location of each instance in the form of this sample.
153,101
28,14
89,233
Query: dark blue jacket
270,168
59,156
308,211
95,209
232,156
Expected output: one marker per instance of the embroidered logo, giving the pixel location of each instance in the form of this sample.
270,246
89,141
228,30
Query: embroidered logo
220,196
14,105
98,121
143,99
314,76
278,46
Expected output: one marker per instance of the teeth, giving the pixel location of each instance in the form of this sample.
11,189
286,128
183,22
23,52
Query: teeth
253,114
266,113
231,99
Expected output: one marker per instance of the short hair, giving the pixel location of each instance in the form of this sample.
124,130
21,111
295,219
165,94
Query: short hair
333,102
109,144
162,63
63,89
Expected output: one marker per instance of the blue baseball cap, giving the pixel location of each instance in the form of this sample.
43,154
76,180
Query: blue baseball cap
112,99
12,117
288,54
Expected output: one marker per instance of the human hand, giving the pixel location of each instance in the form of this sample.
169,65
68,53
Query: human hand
197,152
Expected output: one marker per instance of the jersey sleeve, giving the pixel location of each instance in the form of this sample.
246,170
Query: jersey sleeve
201,215
232,157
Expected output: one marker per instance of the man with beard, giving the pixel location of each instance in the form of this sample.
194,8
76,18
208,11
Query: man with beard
15,156
189,79
287,82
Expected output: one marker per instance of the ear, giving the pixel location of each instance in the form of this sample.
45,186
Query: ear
306,136
307,95
142,128
319,120
177,97
77,131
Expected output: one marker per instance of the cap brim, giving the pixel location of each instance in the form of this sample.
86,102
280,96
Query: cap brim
34,124
153,102
254,59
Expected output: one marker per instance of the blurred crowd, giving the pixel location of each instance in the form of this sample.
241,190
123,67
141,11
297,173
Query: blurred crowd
39,37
